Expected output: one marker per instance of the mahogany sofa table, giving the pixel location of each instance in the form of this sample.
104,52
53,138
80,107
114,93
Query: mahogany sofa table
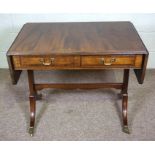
77,46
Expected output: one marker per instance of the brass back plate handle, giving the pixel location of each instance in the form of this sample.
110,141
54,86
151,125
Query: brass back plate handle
42,60
103,61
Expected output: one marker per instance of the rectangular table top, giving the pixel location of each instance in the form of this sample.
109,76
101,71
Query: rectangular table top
77,38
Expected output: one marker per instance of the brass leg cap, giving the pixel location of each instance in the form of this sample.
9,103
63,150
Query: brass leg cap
126,129
31,131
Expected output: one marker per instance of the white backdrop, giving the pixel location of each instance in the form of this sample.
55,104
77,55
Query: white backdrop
10,24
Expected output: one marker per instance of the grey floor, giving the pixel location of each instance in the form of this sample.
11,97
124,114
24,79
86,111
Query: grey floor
77,114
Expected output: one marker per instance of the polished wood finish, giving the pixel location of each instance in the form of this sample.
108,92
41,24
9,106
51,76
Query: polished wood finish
140,73
125,100
32,98
77,46
78,86
114,61
77,39
47,61
75,62
15,74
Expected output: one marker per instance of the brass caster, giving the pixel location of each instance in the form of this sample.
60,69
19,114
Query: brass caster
31,131
126,129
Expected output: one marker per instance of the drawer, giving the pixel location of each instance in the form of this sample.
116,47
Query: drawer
76,62
112,61
43,62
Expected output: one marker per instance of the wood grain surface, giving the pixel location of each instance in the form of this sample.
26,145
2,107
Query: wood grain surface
85,38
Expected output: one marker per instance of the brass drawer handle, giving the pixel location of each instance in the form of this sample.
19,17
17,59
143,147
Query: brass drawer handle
42,60
102,61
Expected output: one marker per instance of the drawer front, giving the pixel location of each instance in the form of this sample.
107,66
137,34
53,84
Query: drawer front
47,61
44,62
112,61
76,62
